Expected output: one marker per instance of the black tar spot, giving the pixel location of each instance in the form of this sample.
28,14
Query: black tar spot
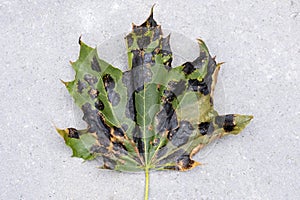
198,86
99,104
95,64
90,79
80,86
73,133
188,68
205,128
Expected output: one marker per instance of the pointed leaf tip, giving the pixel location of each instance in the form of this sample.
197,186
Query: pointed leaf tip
133,25
64,82
79,40
219,64
200,41
202,44
150,22
152,9
63,133
241,121
244,118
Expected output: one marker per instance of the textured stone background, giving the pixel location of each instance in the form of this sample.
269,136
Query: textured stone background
258,40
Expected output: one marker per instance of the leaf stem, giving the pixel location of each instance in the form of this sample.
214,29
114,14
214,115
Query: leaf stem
146,183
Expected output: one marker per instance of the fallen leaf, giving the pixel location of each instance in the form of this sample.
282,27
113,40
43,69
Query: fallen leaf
152,116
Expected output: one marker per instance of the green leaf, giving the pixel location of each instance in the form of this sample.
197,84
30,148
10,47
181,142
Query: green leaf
151,116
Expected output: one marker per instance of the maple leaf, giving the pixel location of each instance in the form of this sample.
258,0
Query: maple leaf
152,116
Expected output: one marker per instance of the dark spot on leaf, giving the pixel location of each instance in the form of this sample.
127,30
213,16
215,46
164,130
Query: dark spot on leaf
167,63
210,70
143,42
114,98
130,108
166,45
129,40
141,88
156,33
185,162
203,86
180,135
134,81
108,163
148,58
109,84
166,52
98,149
119,148
118,132
138,139
80,86
229,124
125,127
93,93
73,133
205,128
177,87
219,120
90,79
99,104
200,61
155,142
136,78
137,59
170,96
171,157
226,122
198,86
203,55
162,151
103,139
156,51
188,68
95,64
167,119
96,124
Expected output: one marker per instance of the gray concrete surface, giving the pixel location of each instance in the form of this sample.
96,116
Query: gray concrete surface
258,40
